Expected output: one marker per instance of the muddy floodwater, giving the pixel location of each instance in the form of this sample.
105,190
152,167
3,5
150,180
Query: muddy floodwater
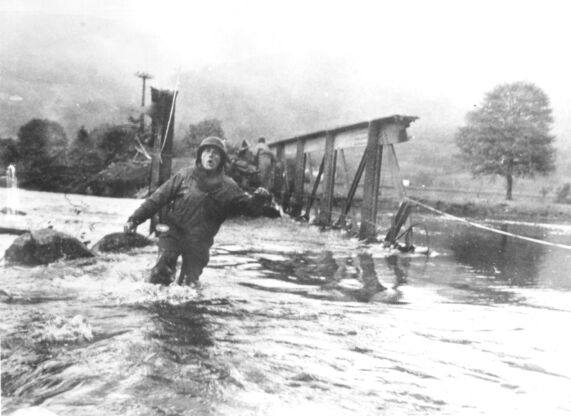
290,320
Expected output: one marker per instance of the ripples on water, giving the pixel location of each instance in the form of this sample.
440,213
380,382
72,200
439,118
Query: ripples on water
477,329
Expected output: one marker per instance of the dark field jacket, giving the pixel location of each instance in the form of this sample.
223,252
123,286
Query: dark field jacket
196,204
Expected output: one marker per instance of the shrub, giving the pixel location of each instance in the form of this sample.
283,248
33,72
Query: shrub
562,194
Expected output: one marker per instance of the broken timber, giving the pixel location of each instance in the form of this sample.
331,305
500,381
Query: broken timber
373,136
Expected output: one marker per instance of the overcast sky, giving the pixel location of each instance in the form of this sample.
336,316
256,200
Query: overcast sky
453,49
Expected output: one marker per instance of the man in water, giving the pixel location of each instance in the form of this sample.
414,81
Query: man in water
196,201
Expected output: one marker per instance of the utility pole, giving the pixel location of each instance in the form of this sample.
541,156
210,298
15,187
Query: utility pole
144,76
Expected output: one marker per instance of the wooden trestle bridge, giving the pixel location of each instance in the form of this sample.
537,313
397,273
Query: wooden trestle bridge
373,137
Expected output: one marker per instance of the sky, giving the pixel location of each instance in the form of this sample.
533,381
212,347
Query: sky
453,50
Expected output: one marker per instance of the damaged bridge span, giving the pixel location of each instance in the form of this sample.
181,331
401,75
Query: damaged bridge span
371,139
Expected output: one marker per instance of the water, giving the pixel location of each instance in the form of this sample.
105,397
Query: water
275,328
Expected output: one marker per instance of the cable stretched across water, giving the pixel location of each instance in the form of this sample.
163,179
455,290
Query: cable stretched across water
485,227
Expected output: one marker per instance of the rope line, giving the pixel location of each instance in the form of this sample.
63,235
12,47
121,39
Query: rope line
485,227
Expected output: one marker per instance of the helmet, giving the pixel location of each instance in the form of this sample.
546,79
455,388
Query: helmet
214,142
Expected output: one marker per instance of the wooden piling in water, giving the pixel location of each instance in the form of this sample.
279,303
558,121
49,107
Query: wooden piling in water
297,201
314,190
329,158
371,185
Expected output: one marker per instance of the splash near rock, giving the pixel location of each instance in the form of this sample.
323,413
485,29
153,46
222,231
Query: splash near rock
45,246
33,411
118,242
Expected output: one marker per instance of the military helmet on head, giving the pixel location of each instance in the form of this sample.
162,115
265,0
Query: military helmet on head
214,142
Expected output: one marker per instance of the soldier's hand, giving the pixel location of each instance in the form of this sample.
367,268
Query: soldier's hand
130,227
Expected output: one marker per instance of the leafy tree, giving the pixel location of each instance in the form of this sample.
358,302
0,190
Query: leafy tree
82,151
42,142
42,146
509,135
201,130
114,143
108,150
8,152
82,137
84,160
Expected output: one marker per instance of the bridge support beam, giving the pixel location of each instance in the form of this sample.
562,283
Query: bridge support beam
329,159
369,207
297,197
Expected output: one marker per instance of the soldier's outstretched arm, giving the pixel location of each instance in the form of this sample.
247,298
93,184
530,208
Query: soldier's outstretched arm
165,193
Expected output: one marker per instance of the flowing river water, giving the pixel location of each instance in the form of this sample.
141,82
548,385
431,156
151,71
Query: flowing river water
283,324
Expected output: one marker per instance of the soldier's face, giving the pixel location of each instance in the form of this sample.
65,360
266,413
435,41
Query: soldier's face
210,158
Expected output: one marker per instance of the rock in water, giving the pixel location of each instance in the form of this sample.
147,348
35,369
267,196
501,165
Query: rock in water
45,246
118,242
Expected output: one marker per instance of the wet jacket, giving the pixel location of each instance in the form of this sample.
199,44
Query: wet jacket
196,204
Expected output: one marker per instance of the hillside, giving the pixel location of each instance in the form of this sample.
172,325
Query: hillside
69,70
80,71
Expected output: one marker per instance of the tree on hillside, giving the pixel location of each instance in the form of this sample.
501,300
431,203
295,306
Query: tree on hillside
509,135
42,146
201,130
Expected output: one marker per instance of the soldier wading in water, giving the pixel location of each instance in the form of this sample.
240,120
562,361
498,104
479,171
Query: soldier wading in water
197,202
